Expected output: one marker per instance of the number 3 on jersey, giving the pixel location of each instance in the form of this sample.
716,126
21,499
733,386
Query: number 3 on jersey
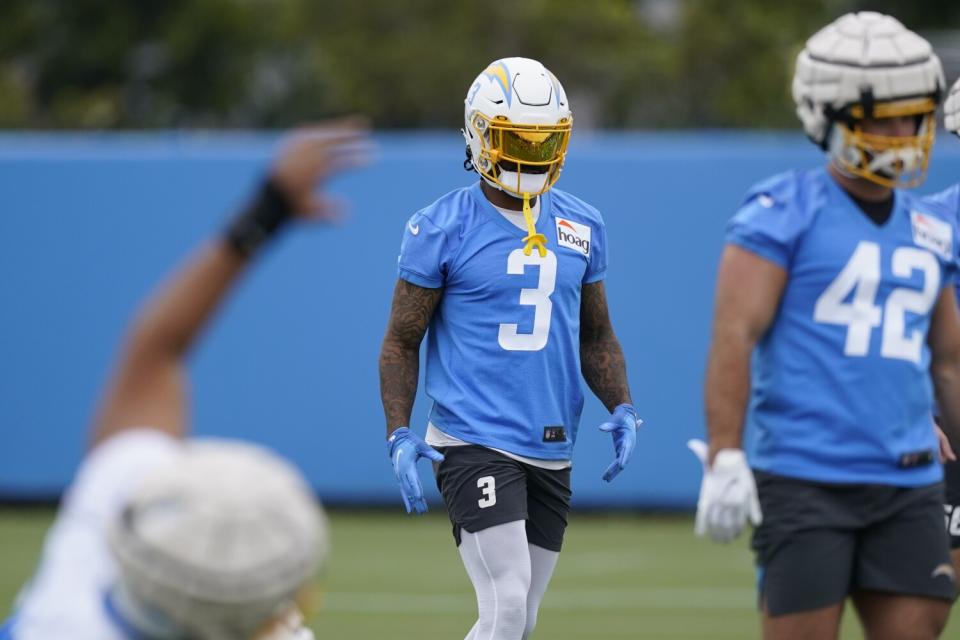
861,277
539,298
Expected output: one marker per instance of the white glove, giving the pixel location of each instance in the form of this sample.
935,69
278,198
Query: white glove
290,627
728,494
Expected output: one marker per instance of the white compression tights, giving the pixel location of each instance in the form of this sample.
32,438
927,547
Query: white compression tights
509,576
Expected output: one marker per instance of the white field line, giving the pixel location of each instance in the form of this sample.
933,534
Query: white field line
666,598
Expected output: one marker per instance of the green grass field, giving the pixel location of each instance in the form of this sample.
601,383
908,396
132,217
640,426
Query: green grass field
400,577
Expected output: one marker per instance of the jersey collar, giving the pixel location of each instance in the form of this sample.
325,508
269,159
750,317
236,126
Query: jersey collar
836,192
491,212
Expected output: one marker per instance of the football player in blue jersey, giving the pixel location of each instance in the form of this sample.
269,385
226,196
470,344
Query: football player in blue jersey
507,274
162,537
950,199
839,282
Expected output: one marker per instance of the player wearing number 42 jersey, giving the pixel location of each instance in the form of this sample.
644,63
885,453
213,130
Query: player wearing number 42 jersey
508,276
839,282
950,199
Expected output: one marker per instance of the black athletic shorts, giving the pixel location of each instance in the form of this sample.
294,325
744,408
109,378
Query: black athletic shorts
951,473
820,542
483,488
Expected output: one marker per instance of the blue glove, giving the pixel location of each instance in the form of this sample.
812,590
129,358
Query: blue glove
405,448
623,425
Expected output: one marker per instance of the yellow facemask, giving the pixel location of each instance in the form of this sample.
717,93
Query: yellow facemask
890,161
520,149
531,155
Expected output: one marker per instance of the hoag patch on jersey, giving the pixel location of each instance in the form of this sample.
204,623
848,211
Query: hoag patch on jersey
933,234
573,235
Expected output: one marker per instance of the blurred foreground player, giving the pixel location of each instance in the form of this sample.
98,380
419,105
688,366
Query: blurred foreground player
843,281
950,198
160,538
508,276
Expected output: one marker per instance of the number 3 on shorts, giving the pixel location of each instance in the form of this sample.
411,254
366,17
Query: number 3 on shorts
488,485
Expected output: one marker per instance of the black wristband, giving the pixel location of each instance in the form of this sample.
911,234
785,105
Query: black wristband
260,220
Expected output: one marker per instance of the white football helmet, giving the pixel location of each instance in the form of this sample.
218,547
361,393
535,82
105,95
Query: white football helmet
869,66
951,110
517,125
220,542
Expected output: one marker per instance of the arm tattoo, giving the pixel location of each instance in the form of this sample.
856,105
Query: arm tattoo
601,359
410,315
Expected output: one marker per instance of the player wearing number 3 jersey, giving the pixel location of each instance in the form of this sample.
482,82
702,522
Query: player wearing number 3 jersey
839,282
507,274
503,350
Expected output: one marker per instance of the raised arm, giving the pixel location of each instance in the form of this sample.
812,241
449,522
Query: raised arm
748,294
410,315
601,359
148,387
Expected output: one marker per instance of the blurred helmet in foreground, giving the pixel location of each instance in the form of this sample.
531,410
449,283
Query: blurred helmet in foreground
517,125
220,541
869,66
951,110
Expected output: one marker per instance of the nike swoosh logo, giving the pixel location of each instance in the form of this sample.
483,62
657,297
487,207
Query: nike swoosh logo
414,229
399,453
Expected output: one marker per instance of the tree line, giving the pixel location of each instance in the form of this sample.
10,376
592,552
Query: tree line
405,63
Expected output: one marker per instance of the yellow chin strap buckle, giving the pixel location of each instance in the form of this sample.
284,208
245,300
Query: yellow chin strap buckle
533,238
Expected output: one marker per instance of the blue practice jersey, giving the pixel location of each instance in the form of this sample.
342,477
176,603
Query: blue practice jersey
841,390
949,200
503,348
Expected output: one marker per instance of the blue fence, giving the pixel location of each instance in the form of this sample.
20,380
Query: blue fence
89,223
